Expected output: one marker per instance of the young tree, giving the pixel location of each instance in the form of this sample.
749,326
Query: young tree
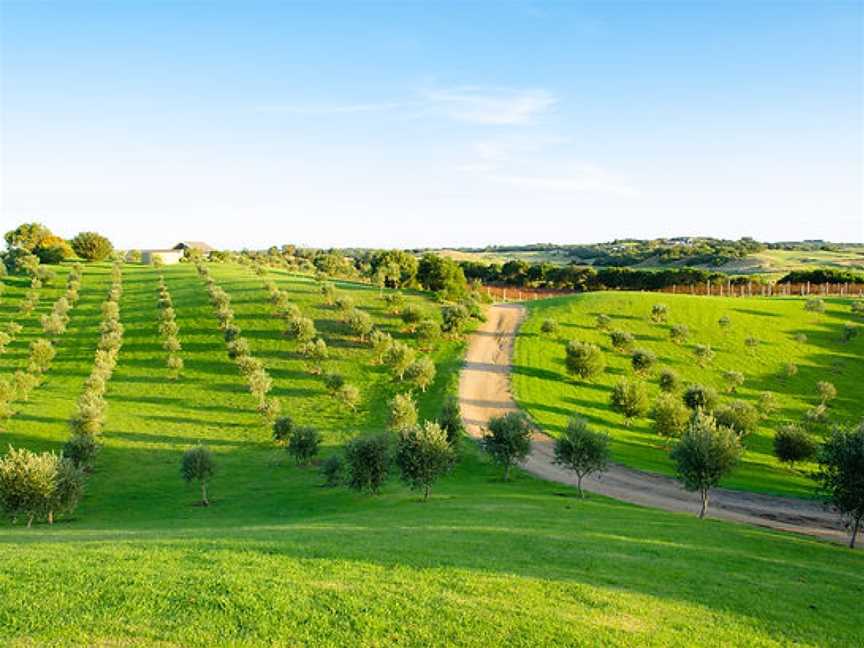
790,369
549,327
333,382
814,305
42,352
841,475
659,313
360,323
333,470
198,465
630,399
421,372
669,381
670,416
700,397
704,354
508,440
349,396
767,404
827,392
583,359
739,416
582,450
642,361
38,485
400,356
81,450
679,333
603,321
792,443
303,443
621,340
423,455
411,315
724,322
705,454
849,332
367,461
92,246
301,329
283,427
403,412
450,420
454,318
381,343
733,379
428,331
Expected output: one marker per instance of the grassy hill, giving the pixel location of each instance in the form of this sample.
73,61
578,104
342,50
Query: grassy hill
543,388
279,559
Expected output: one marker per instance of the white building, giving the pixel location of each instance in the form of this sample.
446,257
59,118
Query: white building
175,254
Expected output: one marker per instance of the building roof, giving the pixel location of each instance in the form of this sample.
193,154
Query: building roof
194,245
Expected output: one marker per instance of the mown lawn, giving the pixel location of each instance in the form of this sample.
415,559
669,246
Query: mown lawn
280,560
543,388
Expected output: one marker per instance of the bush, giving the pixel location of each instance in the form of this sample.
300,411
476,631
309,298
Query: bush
583,359
603,322
621,340
582,450
790,369
333,382
450,420
792,443
549,327
400,356
642,361
333,470
767,404
37,486
349,396
283,427
705,454
670,416
630,399
42,352
303,443
669,380
814,305
454,318
81,450
410,315
301,329
421,373
733,379
659,313
423,455
698,397
841,466
367,461
679,333
403,412
704,354
92,246
198,465
724,322
360,324
849,332
739,416
428,332
508,440
827,391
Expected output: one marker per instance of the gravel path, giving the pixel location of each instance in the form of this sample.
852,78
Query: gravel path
484,392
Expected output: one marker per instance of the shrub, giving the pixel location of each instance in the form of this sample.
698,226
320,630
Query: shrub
669,380
679,333
582,450
92,246
454,318
198,465
704,455
410,315
282,429
333,382
816,416
814,305
303,443
801,338
421,372
38,485
360,324
42,352
739,416
381,343
301,329
349,396
704,354
81,450
733,379
700,397
403,412
841,466
583,359
328,291
621,340
428,331
849,332
90,414
790,369
603,322
767,404
450,420
508,440
400,356
423,455
827,391
792,443
549,327
367,461
642,361
659,313
630,399
344,304
333,470
751,342
724,322
857,306
670,416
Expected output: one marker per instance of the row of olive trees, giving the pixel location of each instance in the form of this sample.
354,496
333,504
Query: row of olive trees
257,378
169,329
42,351
87,423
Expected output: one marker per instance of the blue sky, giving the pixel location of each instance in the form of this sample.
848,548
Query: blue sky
409,124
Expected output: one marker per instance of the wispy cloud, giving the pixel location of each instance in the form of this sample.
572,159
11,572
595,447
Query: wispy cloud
492,107
338,109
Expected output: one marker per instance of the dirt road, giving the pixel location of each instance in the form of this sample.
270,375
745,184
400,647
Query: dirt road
484,392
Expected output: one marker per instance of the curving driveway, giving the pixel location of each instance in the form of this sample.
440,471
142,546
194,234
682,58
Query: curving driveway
484,392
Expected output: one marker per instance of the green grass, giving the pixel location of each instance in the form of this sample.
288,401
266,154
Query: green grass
543,388
279,560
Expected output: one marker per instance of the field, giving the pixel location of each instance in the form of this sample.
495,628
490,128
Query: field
279,559
544,390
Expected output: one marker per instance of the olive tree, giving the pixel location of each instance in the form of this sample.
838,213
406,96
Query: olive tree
792,443
400,356
849,332
704,354
421,372
621,340
450,420
508,440
583,359
423,455
367,462
733,379
36,486
630,399
643,360
403,412
670,416
814,305
603,321
700,397
198,465
303,443
704,455
841,475
679,333
668,380
827,391
659,313
549,327
582,450
739,416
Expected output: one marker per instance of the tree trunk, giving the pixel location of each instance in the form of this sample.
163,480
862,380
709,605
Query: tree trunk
29,520
507,472
426,493
50,517
204,500
704,504
579,486
855,526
